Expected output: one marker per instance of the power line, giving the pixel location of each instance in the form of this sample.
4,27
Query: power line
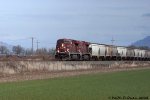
47,43
14,40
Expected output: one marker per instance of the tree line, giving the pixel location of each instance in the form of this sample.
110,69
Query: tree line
19,50
139,47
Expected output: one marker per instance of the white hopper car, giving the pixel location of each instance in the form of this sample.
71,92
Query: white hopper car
98,51
122,52
109,52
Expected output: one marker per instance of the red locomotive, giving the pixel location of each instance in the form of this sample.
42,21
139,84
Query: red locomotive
68,49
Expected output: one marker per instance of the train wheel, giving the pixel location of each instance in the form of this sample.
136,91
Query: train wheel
79,57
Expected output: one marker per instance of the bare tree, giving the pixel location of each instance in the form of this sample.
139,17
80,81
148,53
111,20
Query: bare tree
3,50
18,49
28,52
42,51
51,51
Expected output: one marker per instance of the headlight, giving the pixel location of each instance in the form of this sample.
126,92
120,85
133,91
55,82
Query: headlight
68,50
62,45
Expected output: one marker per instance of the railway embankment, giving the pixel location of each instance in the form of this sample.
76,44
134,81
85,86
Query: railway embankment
12,71
16,67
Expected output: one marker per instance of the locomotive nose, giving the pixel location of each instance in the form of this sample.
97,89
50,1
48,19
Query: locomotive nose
61,48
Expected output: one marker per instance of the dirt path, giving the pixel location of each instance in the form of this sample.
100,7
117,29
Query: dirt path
47,75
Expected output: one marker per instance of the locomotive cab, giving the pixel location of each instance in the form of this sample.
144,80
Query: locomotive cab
62,48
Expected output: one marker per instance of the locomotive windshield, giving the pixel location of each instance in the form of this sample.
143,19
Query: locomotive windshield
66,41
63,41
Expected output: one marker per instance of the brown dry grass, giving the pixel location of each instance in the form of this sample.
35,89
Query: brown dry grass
54,74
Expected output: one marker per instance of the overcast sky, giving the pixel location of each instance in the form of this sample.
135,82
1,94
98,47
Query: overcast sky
90,20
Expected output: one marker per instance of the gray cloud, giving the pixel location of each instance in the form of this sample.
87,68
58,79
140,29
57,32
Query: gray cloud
90,20
146,15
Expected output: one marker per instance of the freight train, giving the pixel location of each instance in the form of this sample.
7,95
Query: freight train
68,49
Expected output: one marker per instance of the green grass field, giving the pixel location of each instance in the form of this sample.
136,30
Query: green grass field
84,87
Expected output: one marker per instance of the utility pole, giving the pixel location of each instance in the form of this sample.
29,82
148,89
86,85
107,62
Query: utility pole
112,40
32,44
37,45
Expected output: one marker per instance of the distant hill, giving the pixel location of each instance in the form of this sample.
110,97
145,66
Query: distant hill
143,42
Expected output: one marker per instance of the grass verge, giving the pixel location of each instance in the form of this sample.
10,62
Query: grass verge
101,86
